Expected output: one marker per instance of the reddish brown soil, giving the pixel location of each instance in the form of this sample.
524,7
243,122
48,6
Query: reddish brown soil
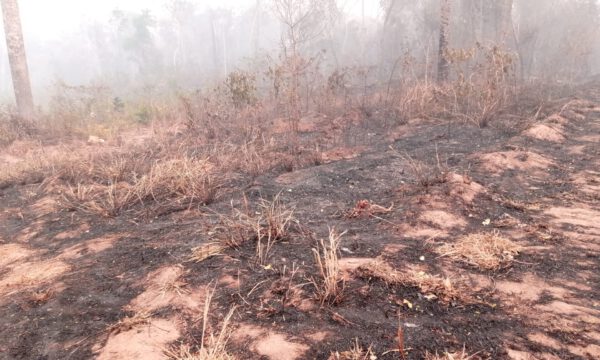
67,278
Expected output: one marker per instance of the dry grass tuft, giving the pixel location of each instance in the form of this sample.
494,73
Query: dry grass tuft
433,287
327,260
450,356
271,225
213,345
109,186
489,251
267,225
426,175
184,180
107,201
355,353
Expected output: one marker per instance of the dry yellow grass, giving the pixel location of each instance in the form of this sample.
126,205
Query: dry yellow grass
212,346
206,251
104,200
327,260
267,225
433,287
450,356
129,322
108,187
181,179
271,225
41,296
176,286
355,353
489,251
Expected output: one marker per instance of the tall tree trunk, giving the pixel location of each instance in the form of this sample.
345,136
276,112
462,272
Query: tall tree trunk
443,65
505,22
213,37
17,58
497,21
256,30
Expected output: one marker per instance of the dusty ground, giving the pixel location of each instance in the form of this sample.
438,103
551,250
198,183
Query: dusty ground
67,278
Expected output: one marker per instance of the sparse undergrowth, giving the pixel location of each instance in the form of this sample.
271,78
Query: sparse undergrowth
113,183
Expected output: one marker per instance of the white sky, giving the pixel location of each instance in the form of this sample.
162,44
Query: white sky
47,19
51,21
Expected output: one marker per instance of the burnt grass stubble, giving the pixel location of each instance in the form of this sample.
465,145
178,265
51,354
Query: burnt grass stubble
100,285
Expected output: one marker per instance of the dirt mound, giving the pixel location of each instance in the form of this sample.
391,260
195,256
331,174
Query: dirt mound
521,160
545,132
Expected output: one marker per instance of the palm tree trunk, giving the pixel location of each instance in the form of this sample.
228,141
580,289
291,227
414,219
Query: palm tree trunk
17,58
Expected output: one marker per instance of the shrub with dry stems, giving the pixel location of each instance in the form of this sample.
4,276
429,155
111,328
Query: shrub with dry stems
489,251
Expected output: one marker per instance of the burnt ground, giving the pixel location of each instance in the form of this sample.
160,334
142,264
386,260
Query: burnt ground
67,278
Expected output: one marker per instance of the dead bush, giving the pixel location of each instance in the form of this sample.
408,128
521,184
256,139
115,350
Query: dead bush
484,82
241,87
12,127
488,251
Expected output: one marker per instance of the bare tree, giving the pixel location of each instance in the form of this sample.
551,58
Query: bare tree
443,65
303,21
17,58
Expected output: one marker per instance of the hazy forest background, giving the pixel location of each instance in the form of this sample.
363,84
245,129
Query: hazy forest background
147,57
